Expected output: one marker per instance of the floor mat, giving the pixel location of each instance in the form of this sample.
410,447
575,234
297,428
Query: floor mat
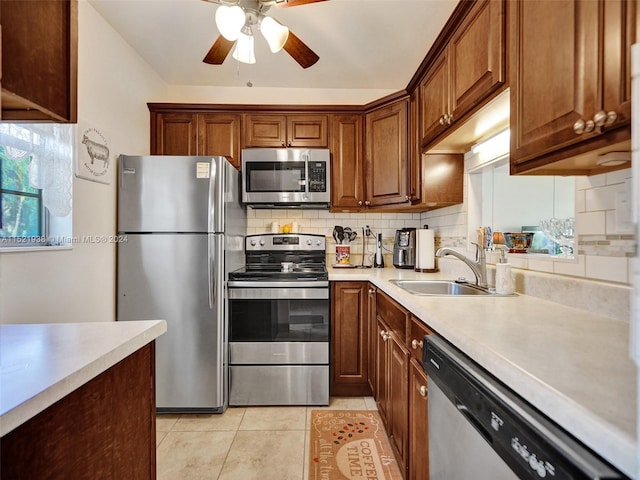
350,444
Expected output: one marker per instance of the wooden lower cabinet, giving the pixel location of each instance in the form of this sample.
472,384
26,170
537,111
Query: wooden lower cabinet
418,423
372,332
398,419
105,429
349,339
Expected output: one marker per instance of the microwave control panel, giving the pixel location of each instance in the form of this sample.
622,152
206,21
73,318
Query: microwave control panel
318,176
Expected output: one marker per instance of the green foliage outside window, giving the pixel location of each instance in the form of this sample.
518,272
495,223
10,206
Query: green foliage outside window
20,204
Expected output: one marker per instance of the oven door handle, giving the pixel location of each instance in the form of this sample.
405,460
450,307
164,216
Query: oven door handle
253,285
281,293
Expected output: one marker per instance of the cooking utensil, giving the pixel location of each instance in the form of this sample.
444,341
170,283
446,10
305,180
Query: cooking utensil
338,234
352,236
346,234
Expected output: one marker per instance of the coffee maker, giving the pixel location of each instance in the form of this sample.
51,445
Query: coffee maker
404,248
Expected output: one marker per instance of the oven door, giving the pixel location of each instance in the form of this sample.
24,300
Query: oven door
282,313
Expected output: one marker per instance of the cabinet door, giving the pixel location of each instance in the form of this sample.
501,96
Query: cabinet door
477,56
372,337
621,30
415,338
386,163
434,100
219,134
382,371
265,130
554,74
397,418
347,180
349,339
176,134
418,423
307,131
442,179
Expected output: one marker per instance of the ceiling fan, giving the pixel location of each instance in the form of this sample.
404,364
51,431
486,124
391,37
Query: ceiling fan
235,20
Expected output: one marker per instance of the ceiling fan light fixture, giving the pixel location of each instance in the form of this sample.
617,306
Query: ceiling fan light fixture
274,33
245,51
230,21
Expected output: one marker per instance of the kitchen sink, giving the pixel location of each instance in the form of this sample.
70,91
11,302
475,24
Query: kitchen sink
440,288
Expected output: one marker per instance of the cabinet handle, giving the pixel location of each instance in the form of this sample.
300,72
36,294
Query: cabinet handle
385,335
449,119
416,344
581,126
367,203
442,120
359,203
423,390
371,291
611,118
289,143
600,118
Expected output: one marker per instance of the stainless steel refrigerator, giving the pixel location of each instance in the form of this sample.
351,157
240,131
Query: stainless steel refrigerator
184,226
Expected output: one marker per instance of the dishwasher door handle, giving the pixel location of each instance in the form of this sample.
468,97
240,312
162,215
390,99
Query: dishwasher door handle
474,421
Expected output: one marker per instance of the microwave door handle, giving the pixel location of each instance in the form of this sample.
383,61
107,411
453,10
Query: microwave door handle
306,175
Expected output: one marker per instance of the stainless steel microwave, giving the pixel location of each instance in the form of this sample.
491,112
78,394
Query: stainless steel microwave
286,177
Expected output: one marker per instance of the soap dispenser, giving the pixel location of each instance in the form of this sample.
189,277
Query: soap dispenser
379,260
505,282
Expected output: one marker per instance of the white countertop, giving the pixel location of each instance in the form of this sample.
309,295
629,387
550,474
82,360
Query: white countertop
42,363
572,365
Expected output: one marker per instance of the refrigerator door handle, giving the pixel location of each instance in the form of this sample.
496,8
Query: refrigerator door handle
211,251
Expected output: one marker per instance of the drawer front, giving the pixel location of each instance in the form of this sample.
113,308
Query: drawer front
393,315
415,339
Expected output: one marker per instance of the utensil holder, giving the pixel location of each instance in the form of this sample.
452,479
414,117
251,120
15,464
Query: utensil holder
343,254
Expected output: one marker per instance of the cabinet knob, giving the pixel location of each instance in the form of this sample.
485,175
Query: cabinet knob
600,118
415,344
581,126
284,144
385,335
442,120
359,203
611,118
371,291
423,390
449,119
289,143
367,203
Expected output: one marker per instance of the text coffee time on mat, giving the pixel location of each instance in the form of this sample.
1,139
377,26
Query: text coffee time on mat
350,444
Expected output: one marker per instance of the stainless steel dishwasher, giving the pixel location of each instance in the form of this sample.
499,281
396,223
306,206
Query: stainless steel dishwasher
481,430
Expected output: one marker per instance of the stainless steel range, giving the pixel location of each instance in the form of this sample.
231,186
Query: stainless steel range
279,322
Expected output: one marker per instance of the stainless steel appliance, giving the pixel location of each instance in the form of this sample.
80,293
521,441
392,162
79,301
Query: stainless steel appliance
286,177
184,225
480,429
404,248
279,322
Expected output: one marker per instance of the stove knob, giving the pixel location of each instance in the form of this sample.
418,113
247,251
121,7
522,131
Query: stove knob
309,242
262,243
318,242
253,243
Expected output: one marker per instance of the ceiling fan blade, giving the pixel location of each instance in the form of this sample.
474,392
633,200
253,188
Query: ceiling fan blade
300,52
219,51
295,3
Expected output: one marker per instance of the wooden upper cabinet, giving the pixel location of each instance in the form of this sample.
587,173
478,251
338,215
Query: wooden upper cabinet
387,155
175,134
219,134
434,98
196,134
468,71
442,179
570,92
39,60
286,131
265,130
347,179
415,152
477,56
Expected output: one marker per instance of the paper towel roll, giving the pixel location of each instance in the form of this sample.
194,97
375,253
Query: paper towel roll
425,245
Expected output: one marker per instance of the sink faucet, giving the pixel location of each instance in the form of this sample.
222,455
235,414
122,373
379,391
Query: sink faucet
479,266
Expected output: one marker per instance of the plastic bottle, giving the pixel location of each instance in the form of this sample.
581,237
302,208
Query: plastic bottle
505,282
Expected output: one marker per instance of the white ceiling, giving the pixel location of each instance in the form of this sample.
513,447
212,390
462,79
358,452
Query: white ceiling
362,44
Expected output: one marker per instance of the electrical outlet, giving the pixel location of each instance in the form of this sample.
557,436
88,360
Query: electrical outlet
367,231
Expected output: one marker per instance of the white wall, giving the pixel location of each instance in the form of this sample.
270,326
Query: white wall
77,285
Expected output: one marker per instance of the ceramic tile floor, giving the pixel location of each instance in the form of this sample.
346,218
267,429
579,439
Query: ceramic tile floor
262,443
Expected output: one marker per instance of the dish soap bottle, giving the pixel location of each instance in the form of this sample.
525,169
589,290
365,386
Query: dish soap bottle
379,260
505,282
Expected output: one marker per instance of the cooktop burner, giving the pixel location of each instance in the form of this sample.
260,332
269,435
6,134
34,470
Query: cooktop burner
265,255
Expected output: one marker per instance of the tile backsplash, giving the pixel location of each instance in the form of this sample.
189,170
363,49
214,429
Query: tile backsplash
321,222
